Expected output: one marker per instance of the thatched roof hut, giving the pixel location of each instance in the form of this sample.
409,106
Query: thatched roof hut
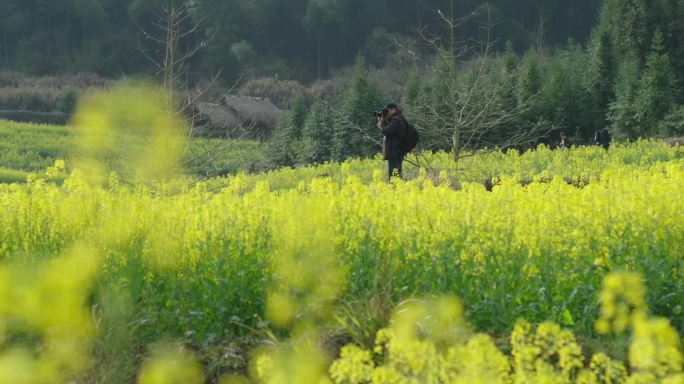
237,116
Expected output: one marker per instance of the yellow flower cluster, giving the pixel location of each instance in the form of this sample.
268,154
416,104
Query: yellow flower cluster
47,301
302,362
550,353
427,343
171,365
655,351
622,298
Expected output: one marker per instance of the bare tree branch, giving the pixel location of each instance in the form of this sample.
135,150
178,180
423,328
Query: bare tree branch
163,43
469,117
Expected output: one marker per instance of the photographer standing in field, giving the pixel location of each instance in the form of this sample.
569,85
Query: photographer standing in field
603,138
393,126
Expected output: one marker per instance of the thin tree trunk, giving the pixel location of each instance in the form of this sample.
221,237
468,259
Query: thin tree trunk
67,29
5,49
540,32
48,47
318,58
456,136
170,56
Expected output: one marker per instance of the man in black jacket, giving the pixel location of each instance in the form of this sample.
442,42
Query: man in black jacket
603,138
393,127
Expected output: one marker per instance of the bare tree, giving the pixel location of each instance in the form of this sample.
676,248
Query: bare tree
161,46
470,116
169,43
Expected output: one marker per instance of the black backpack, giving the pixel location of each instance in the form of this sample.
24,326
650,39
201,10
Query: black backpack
602,137
411,138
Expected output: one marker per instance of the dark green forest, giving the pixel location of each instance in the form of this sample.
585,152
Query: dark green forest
302,39
469,74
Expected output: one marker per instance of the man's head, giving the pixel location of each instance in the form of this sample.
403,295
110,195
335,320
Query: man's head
392,109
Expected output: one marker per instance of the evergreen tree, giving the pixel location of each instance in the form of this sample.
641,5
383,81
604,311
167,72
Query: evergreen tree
673,24
621,112
282,149
630,22
656,96
530,83
509,86
417,104
531,77
502,79
555,89
510,58
354,128
436,104
411,94
604,72
316,135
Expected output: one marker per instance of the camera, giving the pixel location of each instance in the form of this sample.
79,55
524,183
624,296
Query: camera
382,113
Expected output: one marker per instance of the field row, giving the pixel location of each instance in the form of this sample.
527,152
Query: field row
32,148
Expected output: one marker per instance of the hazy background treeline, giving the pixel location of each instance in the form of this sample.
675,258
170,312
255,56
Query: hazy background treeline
301,39
516,69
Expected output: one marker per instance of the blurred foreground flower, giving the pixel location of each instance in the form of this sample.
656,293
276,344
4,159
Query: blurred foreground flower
171,365
129,130
48,302
301,362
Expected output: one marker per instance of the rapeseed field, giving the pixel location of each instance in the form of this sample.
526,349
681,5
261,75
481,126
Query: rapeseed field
546,267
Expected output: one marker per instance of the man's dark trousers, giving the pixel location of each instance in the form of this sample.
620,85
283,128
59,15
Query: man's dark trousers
395,167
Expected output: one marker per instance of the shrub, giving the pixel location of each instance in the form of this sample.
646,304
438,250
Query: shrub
673,124
67,103
280,92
